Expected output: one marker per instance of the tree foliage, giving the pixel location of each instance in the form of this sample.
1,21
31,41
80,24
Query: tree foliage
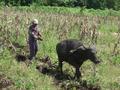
96,4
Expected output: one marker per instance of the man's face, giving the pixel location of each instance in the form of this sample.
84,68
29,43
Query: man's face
34,25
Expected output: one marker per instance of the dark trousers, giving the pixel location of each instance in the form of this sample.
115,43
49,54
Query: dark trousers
33,49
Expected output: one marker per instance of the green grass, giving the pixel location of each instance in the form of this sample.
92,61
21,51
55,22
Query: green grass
56,24
65,10
25,78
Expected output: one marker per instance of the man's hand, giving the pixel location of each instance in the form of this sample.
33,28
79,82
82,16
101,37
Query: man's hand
39,34
39,38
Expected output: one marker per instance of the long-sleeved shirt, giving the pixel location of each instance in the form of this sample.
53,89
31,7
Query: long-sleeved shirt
33,34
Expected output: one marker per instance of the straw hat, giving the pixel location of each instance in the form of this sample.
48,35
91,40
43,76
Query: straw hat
35,21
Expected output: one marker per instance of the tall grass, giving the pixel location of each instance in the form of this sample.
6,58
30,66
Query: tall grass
100,30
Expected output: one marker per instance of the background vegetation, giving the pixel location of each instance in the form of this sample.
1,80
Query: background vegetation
96,4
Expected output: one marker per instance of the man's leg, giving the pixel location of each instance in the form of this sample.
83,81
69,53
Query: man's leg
36,49
32,50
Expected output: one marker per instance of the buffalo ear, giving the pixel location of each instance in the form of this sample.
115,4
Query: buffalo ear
93,49
79,48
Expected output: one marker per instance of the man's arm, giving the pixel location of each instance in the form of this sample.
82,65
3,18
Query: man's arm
37,35
40,36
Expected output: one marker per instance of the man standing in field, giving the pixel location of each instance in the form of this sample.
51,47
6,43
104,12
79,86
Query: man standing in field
34,35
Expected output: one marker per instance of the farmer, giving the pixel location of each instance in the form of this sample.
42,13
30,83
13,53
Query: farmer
34,35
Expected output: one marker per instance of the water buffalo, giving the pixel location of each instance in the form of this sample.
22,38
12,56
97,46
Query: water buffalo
75,53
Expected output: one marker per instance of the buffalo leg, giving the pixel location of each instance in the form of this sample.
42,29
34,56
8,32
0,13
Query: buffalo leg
78,73
60,67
